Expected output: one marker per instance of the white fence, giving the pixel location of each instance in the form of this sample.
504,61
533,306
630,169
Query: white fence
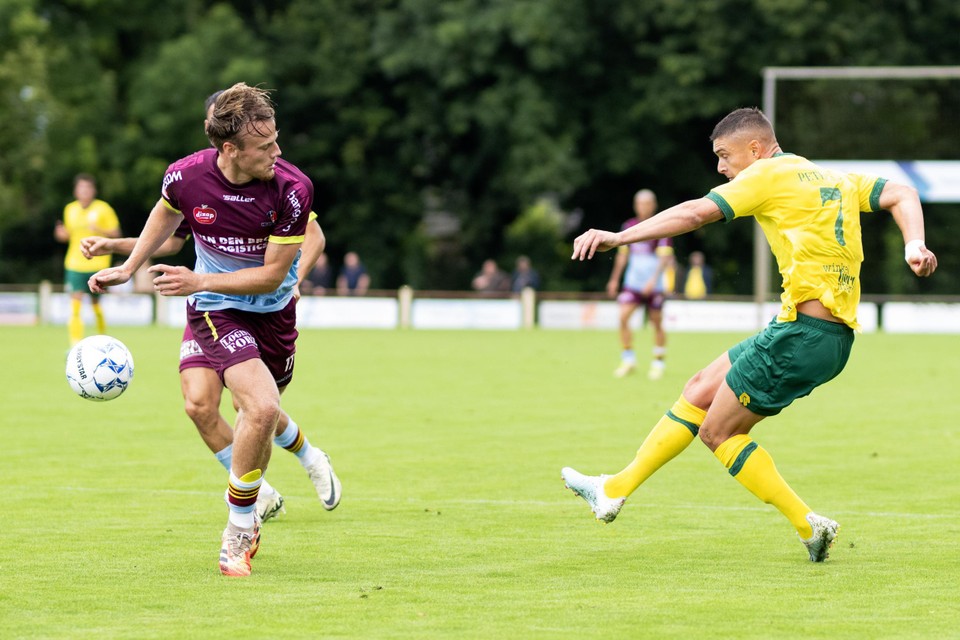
407,310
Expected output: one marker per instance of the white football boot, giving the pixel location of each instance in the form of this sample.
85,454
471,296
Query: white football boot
825,532
269,503
325,481
626,368
590,488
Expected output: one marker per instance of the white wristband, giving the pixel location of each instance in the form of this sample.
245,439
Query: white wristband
912,249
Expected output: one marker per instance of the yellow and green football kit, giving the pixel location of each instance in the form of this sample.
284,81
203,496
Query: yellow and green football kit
811,218
98,218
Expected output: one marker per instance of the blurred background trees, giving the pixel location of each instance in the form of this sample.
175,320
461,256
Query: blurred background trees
439,134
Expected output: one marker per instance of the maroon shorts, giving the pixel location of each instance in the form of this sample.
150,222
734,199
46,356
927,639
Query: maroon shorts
220,339
191,355
653,302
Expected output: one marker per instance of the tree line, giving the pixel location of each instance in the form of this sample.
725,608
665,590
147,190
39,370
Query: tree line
439,134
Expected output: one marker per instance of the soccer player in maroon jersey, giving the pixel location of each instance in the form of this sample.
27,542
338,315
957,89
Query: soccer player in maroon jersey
199,382
248,211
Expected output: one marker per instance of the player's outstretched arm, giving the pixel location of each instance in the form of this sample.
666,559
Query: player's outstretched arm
100,246
903,202
678,219
160,225
181,281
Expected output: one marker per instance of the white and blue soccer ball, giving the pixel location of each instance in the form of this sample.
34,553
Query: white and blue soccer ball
99,368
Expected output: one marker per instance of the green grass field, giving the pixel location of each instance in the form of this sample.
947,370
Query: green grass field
454,521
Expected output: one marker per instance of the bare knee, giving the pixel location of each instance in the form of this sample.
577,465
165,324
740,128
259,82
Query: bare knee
203,411
711,437
261,414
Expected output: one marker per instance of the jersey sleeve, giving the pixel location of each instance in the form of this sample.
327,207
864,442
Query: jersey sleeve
292,219
170,190
869,189
740,197
182,230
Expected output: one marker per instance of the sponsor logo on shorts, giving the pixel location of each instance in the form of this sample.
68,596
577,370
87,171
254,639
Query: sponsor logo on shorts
236,340
744,399
204,214
189,349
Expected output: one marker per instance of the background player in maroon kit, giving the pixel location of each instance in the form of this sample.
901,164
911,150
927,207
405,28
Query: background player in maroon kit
642,266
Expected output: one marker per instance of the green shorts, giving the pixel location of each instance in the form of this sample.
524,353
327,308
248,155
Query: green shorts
786,361
77,281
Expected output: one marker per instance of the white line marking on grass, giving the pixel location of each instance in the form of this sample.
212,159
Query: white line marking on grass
517,503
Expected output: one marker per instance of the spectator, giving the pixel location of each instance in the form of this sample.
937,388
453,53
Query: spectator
320,278
699,280
353,279
524,275
491,278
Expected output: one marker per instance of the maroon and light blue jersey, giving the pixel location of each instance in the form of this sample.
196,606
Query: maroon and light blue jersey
182,231
643,260
232,224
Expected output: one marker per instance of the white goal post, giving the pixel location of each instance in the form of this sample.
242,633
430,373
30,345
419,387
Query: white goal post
945,173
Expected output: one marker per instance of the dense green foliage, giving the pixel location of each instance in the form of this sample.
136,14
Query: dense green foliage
454,521
430,127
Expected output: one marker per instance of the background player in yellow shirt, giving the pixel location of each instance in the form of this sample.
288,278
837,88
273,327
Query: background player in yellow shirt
85,216
811,218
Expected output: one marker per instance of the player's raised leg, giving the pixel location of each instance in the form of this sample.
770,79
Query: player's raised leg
670,436
314,461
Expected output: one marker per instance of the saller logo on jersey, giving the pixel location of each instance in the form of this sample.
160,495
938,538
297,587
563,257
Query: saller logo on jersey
204,214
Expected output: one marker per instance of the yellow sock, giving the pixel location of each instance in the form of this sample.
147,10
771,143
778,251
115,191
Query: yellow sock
75,323
753,467
101,323
251,476
671,435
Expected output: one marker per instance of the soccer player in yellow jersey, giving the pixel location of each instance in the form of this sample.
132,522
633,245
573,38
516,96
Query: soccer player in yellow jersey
85,216
811,218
